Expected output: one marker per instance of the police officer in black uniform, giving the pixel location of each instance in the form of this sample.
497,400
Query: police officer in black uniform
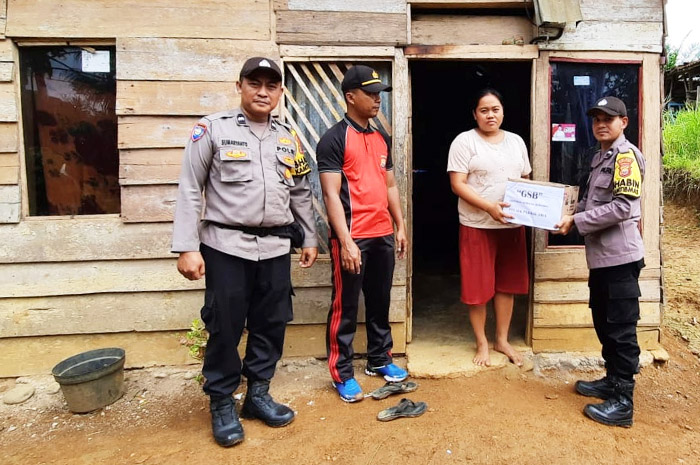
258,202
608,218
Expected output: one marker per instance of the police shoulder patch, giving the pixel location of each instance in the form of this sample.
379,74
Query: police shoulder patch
627,179
301,166
198,131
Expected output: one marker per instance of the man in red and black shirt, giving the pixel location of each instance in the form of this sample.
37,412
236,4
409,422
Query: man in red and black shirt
361,198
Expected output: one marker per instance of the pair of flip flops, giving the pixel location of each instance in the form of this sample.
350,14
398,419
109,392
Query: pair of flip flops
405,408
393,388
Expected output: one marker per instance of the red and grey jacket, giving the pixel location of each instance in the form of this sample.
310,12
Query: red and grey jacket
362,157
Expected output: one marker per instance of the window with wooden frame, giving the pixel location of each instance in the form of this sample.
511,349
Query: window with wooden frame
313,103
575,87
68,97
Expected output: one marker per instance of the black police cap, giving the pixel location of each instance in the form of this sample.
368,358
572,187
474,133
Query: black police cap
254,64
612,106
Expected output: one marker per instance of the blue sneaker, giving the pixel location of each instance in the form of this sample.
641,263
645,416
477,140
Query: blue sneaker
349,390
391,372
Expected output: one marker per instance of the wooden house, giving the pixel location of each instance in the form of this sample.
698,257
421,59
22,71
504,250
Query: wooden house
98,97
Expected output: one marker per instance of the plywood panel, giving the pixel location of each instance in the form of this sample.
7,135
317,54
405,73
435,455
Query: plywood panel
206,60
82,239
8,137
623,10
604,35
382,6
175,98
10,202
148,275
148,204
577,291
140,132
469,30
348,28
37,355
241,19
583,339
579,315
147,311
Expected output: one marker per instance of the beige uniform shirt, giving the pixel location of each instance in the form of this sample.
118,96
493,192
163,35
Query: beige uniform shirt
246,181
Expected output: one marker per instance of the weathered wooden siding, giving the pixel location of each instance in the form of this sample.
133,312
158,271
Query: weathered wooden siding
634,25
72,284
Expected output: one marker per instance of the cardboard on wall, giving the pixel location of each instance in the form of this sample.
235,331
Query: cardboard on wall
539,204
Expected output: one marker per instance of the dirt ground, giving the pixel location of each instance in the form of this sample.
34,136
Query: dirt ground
498,417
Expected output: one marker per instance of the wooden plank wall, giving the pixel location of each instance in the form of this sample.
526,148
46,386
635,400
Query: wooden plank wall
73,284
561,317
624,25
10,204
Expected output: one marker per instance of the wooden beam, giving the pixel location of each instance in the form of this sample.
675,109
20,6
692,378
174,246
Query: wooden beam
583,339
7,70
116,276
472,52
470,3
25,356
289,52
6,50
145,132
569,265
148,203
577,291
578,315
335,28
207,60
148,311
82,239
242,19
623,10
374,6
175,98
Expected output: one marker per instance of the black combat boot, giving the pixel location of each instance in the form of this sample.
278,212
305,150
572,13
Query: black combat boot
225,424
601,388
259,404
618,409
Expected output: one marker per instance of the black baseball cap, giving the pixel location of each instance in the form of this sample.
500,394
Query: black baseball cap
365,78
613,106
255,63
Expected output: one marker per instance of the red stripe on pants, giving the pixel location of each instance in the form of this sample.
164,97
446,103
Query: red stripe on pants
337,306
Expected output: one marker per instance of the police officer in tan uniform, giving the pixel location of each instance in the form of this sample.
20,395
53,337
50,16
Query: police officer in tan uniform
257,203
608,218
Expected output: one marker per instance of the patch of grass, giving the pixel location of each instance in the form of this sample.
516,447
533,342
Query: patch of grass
682,155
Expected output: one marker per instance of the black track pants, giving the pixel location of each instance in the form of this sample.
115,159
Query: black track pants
374,281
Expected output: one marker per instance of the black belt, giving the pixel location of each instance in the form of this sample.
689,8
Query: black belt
292,231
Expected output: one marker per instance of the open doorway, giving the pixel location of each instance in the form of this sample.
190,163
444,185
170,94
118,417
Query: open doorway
442,92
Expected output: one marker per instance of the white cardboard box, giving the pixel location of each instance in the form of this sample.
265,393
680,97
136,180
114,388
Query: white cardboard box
539,204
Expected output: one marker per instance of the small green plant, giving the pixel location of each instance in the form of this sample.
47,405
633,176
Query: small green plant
196,339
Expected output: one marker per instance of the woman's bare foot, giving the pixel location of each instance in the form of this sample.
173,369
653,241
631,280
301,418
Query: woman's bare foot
482,358
508,350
